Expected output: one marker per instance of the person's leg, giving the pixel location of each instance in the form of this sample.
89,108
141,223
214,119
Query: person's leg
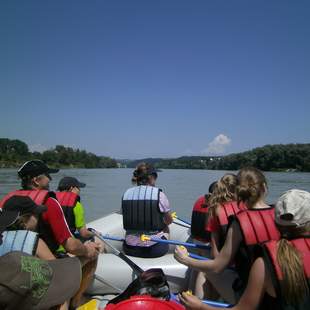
156,250
88,271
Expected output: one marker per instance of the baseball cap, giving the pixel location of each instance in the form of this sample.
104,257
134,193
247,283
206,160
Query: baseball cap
16,206
293,208
27,282
67,182
33,168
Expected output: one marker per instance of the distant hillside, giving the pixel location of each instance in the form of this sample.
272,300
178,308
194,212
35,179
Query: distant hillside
278,157
15,152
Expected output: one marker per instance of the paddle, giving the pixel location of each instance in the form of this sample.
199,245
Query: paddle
205,301
147,238
175,242
134,267
174,216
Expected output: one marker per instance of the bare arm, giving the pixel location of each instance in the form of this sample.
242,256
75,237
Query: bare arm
43,251
85,233
221,261
76,247
214,243
251,297
168,219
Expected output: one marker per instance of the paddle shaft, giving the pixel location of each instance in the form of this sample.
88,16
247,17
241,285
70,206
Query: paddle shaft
205,301
133,265
186,244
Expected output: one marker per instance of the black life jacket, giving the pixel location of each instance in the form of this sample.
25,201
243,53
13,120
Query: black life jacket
151,282
270,257
140,208
199,220
39,197
223,213
256,226
68,201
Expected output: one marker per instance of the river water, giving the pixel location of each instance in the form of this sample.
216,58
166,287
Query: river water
105,187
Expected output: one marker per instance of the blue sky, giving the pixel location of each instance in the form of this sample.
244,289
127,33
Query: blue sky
133,79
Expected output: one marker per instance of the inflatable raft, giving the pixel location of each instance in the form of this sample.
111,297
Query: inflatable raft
113,274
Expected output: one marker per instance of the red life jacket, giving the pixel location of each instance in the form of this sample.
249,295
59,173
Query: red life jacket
302,245
257,226
199,220
223,213
68,201
38,196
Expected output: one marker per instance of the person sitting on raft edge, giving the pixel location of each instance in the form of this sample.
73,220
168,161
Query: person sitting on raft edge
145,210
68,196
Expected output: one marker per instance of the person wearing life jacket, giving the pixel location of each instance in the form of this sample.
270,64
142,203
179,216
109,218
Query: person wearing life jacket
279,278
52,226
222,204
145,210
251,190
200,235
68,196
18,223
200,217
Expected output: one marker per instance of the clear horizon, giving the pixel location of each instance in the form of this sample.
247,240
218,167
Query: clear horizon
164,79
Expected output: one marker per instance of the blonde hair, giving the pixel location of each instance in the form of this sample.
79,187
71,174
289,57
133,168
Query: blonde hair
224,191
294,284
252,185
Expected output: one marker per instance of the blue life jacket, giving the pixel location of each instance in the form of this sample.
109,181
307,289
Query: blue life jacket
19,240
140,208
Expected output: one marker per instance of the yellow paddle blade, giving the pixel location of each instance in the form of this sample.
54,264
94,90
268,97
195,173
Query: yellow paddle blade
145,238
91,305
174,215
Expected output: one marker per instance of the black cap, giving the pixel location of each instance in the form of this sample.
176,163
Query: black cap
15,206
7,218
66,182
33,168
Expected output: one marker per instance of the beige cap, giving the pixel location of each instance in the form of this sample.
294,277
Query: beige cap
293,208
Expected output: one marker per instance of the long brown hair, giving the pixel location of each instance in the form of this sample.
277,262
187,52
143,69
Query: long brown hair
141,174
294,284
251,187
224,191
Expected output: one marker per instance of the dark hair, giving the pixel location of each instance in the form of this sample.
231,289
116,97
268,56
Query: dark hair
252,185
141,174
26,183
207,196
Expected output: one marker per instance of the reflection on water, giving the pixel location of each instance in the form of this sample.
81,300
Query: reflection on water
105,186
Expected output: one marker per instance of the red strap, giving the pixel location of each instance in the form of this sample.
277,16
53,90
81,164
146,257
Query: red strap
38,196
258,225
67,199
198,205
302,245
226,210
